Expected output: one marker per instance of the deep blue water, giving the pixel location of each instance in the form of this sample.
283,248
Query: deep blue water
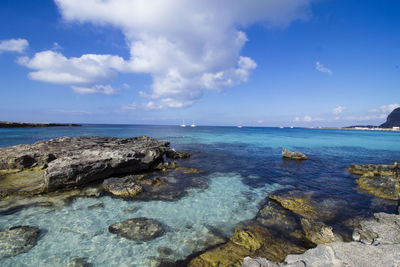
243,165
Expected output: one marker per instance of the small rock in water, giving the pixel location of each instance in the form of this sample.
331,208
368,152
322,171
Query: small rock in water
131,209
96,206
138,229
172,154
286,153
318,232
164,251
122,187
78,262
17,240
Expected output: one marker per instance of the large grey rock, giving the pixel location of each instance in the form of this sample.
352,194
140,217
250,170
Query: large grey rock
392,120
17,240
382,229
139,229
286,153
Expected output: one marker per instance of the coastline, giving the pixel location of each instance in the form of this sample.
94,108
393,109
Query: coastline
6,124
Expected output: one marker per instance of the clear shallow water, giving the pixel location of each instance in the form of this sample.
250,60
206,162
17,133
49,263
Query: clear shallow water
243,166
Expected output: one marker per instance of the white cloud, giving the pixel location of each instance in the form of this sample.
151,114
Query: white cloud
53,67
96,89
13,45
386,109
338,110
322,68
131,106
126,86
307,118
186,46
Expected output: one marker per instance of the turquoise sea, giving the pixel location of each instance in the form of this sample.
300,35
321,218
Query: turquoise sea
240,167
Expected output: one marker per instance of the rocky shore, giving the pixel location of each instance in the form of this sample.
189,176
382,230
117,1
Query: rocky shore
6,124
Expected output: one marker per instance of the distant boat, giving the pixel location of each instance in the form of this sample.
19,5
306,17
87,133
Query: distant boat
240,126
193,125
183,124
291,127
281,127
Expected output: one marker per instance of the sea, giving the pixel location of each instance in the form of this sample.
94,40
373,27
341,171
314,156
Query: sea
240,167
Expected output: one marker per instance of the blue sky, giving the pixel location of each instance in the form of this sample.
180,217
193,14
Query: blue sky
256,62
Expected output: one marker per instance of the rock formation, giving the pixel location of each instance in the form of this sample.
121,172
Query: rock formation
392,120
379,180
286,153
376,243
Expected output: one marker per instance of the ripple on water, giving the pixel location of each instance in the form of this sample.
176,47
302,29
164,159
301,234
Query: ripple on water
191,224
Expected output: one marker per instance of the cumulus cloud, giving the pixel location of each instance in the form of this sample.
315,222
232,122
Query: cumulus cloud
53,67
186,46
386,109
322,68
338,110
13,45
96,89
307,118
131,106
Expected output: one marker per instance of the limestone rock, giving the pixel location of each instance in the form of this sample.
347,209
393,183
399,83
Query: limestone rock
382,229
17,240
293,155
138,229
318,232
172,154
122,187
379,180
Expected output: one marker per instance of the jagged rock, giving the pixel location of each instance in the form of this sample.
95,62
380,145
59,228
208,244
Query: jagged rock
252,240
189,170
382,229
26,182
122,187
172,154
379,246
318,232
81,160
17,240
379,180
298,202
293,155
392,120
139,229
164,166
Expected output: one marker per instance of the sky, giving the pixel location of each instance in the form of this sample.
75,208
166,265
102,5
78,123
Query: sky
215,62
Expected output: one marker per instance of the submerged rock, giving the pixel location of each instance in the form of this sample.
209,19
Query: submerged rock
379,180
25,182
138,229
78,262
273,215
298,202
172,154
286,153
122,187
252,240
17,240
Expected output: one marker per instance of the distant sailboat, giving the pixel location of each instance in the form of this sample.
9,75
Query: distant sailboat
183,124
193,125
240,125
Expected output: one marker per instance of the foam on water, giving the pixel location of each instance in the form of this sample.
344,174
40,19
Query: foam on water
76,230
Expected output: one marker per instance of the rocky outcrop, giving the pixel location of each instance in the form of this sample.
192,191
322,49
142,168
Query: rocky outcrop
379,180
7,124
138,229
76,161
252,240
318,232
377,243
392,120
287,154
123,187
17,240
